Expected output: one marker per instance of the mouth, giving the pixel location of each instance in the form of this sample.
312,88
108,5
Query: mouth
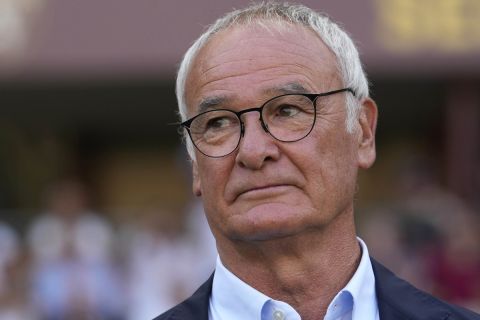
264,191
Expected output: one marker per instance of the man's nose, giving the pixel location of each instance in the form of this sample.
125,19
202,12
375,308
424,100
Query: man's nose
257,146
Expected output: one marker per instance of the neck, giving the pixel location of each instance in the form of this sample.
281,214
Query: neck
305,270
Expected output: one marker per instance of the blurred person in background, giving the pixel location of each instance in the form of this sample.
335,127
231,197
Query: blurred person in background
12,306
180,254
276,105
429,235
440,235
73,275
156,237
443,231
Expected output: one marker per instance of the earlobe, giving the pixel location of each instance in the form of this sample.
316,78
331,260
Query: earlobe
196,184
368,124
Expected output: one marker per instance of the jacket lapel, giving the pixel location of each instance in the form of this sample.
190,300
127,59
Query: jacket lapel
195,307
399,300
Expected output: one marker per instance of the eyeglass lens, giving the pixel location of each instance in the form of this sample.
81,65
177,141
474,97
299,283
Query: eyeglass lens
287,118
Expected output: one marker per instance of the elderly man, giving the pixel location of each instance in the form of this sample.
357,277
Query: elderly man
276,107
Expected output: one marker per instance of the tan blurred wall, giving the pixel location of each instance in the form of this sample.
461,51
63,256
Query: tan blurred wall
71,38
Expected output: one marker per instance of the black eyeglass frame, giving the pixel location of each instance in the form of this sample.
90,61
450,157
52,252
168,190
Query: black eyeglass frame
311,96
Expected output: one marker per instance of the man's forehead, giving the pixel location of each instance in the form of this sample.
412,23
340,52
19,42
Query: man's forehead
234,54
266,33
262,37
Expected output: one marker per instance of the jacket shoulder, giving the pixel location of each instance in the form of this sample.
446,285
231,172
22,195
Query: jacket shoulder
194,308
398,299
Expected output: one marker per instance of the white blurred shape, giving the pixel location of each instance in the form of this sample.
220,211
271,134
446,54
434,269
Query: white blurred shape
92,238
12,27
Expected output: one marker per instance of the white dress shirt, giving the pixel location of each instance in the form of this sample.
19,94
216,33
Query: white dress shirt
233,299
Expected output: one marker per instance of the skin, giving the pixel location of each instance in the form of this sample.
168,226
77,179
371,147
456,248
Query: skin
282,213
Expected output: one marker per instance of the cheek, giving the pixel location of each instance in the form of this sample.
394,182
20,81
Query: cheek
331,168
214,177
342,173
213,174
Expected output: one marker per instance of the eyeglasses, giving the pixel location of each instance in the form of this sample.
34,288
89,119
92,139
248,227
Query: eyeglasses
287,118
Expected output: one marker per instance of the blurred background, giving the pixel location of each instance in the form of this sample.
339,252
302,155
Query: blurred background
97,220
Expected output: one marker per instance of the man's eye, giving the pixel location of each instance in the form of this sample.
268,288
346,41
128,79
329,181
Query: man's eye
287,111
218,123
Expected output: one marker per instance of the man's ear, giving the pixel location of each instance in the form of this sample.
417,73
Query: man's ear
368,123
196,185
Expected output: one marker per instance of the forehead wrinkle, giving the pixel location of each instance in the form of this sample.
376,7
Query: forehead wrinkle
247,73
224,63
295,49
302,61
281,36
265,57
291,87
274,34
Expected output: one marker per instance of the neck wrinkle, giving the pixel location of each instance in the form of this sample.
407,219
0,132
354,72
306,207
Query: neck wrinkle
305,270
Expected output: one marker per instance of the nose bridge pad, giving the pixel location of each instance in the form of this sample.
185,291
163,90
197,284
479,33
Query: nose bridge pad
242,129
264,125
262,122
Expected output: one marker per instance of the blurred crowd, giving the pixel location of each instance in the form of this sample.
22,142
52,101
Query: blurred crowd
73,263
429,236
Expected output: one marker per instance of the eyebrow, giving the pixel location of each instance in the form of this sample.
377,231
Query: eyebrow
213,102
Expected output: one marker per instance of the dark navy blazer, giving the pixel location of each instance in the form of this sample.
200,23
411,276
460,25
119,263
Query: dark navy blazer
396,298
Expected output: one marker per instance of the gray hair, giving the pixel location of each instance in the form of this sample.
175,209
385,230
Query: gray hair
334,37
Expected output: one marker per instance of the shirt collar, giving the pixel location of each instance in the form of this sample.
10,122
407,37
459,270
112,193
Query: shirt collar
358,297
234,299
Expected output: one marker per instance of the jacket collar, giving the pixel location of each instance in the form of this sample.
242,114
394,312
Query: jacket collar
396,298
194,308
